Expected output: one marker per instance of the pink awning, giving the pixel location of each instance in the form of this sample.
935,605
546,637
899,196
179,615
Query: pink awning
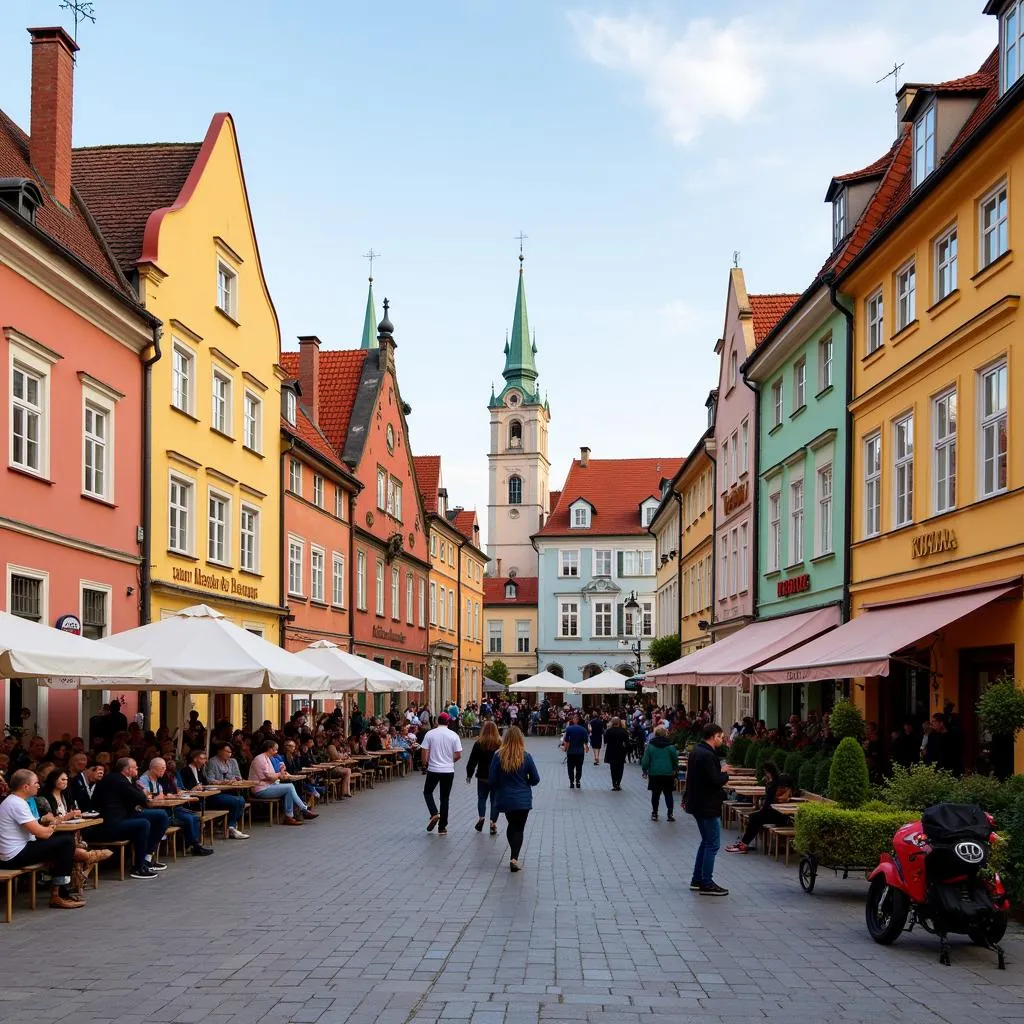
725,662
864,645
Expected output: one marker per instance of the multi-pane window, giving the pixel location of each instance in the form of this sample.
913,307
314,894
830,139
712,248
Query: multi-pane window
872,484
647,618
515,490
295,476
875,310
27,597
433,604
97,450
825,362
289,405
361,580
602,618
451,609
906,295
318,490
179,515
568,618
394,507
723,576
251,416
408,598
396,583
796,522
295,567
227,290
568,563
249,538
379,595
338,580
799,384
838,219
824,532
221,411
924,145
697,594
743,565
94,613
382,489
903,469
339,503
522,637
945,265
726,477
421,600
944,451
182,377
733,450
217,528
580,517
777,404
744,445
494,636
636,563
316,574
734,564
994,225
27,419
993,407
1011,38
602,561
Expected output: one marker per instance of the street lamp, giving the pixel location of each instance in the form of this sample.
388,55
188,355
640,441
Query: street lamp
632,607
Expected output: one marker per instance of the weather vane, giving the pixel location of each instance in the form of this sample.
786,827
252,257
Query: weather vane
522,238
895,74
371,256
83,10
736,258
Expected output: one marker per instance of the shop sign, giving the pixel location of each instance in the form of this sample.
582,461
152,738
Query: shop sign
794,585
735,497
69,624
935,542
390,635
212,581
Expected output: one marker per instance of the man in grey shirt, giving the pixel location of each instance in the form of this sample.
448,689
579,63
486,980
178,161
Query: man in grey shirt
223,767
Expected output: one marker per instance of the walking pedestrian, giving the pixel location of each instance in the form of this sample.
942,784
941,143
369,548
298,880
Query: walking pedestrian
660,764
512,778
480,758
616,743
703,798
596,735
441,748
575,743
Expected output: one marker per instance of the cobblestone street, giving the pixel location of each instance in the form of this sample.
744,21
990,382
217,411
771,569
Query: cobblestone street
366,918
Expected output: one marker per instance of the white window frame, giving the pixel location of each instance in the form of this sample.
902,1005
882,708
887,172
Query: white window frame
874,320
382,489
839,218
568,619
296,566
944,441
339,502
337,579
318,490
188,485
220,404
580,516
602,617
569,563
421,589
295,476
44,587
35,360
495,636
396,594
924,144
796,520
824,543
989,428
214,494
317,574
996,236
734,564
903,470
726,479
521,647
723,576
825,351
778,399
906,295
251,564
799,384
252,421
744,446
361,580
227,289
774,559
97,588
733,455
945,258
96,401
433,603
451,609
602,562
183,403
289,405
515,478
744,566
408,599
1011,44
378,595
873,484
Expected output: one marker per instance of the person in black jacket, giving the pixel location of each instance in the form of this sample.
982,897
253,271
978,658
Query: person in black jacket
596,735
83,787
703,799
123,807
480,758
616,743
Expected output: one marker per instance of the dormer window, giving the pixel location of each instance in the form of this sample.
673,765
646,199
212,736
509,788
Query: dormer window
1011,42
510,591
289,406
647,512
838,218
579,515
924,144
22,196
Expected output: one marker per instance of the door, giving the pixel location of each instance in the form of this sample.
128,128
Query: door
980,667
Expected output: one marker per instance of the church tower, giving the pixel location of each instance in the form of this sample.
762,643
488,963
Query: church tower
518,457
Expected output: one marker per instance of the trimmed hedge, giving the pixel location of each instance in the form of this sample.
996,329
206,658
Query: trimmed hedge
738,750
848,782
821,777
845,720
847,837
750,758
793,764
808,773
918,787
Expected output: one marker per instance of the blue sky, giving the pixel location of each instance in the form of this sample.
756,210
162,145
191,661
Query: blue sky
638,145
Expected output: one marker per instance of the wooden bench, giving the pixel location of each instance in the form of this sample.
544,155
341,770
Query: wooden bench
170,840
272,806
210,818
9,876
118,845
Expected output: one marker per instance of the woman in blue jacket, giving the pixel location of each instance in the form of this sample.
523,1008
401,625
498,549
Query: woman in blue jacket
512,778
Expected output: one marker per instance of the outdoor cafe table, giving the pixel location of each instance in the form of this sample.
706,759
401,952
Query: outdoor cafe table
789,809
77,824
237,784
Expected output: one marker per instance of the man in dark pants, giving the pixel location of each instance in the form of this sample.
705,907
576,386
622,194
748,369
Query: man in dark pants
123,807
575,743
440,749
703,799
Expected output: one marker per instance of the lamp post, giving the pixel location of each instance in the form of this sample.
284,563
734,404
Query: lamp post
632,607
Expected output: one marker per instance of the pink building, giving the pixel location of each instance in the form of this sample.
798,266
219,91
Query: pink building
72,378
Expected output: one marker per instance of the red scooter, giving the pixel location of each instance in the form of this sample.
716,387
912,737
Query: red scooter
936,876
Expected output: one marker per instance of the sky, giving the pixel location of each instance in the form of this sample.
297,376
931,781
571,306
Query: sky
638,145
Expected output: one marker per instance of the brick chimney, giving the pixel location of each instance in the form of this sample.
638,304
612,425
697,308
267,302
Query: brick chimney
584,456
53,67
309,375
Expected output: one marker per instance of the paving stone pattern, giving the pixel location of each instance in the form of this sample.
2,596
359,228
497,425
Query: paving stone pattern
363,917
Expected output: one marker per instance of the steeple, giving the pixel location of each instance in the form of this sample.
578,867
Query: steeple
520,366
369,321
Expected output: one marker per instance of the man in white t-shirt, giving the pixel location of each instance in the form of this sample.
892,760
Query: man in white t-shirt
440,749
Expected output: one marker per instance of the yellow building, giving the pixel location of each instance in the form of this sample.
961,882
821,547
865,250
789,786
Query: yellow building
178,219
472,563
666,528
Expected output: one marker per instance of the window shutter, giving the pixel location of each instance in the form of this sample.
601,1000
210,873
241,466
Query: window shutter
618,564
620,629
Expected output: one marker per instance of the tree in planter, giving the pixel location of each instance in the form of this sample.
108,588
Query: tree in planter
664,649
846,720
848,782
498,671
1001,710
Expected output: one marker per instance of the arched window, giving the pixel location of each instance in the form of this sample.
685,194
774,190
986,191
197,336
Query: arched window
515,490
556,670
515,434
591,670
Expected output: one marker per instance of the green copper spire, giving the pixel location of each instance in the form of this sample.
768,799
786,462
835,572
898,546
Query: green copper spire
520,366
369,321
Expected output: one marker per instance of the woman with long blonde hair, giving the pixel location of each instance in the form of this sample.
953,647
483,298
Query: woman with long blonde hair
480,765
513,776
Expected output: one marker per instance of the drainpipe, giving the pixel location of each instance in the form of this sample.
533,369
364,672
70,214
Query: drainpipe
146,577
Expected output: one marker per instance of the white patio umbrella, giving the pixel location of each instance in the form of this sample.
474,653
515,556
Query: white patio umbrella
608,681
350,673
541,683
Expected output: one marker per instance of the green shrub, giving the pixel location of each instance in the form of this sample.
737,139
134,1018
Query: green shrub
766,753
808,772
876,807
821,777
1010,855
918,787
984,790
846,720
738,750
750,758
847,837
793,764
1001,708
848,782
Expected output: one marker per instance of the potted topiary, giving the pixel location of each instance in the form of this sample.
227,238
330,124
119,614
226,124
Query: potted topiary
1001,711
848,782
845,720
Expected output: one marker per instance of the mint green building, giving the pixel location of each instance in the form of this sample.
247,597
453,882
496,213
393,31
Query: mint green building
800,373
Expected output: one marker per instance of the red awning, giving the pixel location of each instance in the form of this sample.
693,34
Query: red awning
864,645
725,662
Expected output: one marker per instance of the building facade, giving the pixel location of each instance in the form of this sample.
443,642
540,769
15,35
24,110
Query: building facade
510,614
472,565
666,530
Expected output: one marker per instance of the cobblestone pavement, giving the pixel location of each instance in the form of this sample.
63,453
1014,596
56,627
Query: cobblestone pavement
364,917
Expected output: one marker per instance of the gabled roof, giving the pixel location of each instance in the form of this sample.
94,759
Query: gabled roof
428,479
768,311
123,185
74,230
306,432
464,519
494,590
615,488
340,373
875,169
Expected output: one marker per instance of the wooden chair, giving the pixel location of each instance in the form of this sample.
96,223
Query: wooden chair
9,877
209,819
786,834
170,840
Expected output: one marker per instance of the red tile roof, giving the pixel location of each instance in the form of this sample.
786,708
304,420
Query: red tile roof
123,185
553,497
768,311
68,228
873,170
428,479
494,590
615,488
306,432
464,519
340,371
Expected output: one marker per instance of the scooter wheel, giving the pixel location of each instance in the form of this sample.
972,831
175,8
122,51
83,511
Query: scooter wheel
886,911
991,934
808,872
